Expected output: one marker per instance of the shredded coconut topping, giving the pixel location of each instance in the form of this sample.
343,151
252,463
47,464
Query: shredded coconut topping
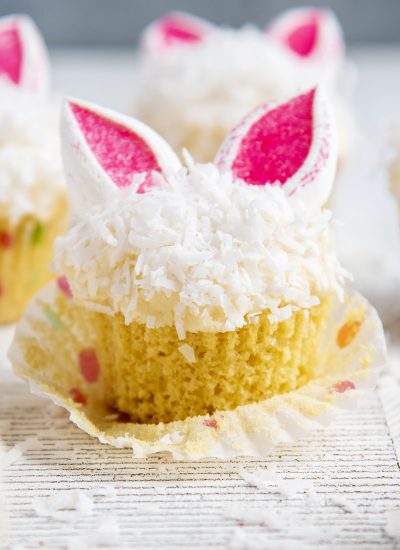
188,353
30,158
201,252
173,96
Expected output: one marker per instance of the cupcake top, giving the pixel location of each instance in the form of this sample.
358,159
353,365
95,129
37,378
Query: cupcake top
194,74
30,160
208,246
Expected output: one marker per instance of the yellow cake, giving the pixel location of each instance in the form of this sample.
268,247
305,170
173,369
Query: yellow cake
26,250
143,370
146,369
193,290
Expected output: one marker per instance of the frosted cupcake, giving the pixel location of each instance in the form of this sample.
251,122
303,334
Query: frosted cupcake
199,310
207,287
195,80
32,195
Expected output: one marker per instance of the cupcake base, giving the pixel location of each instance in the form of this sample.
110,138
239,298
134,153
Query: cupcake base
57,354
26,250
154,377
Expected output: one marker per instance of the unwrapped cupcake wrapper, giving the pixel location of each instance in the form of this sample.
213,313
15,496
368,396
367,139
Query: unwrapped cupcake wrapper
352,353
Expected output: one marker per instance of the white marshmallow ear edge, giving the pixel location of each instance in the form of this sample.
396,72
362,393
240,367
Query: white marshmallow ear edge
35,70
330,37
88,181
152,39
319,168
319,165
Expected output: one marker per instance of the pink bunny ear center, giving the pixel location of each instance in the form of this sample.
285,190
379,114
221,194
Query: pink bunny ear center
119,151
175,29
179,29
303,38
277,144
11,53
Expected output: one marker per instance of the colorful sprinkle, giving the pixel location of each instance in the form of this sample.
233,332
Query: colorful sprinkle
210,423
6,239
37,233
89,365
343,386
78,396
347,333
54,320
63,285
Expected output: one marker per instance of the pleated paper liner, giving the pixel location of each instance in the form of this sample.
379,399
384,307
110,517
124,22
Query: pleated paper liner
59,360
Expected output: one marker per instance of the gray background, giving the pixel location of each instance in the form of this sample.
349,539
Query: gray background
103,23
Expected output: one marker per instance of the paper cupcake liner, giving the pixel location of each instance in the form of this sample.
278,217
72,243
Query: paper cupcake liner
26,250
353,352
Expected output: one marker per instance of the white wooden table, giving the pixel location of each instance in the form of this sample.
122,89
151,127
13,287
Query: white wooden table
352,466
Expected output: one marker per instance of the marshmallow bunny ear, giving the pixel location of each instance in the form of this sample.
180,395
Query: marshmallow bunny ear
23,54
290,143
174,29
103,151
310,33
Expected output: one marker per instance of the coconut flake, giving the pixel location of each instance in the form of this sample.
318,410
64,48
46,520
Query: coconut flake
64,505
171,438
16,453
187,352
344,503
269,480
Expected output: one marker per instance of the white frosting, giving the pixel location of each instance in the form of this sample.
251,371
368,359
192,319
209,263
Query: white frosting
211,85
30,161
200,252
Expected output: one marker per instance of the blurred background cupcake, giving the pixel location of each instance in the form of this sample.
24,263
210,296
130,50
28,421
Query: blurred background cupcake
195,80
33,203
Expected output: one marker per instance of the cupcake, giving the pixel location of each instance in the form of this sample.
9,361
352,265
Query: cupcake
198,306
33,202
194,80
